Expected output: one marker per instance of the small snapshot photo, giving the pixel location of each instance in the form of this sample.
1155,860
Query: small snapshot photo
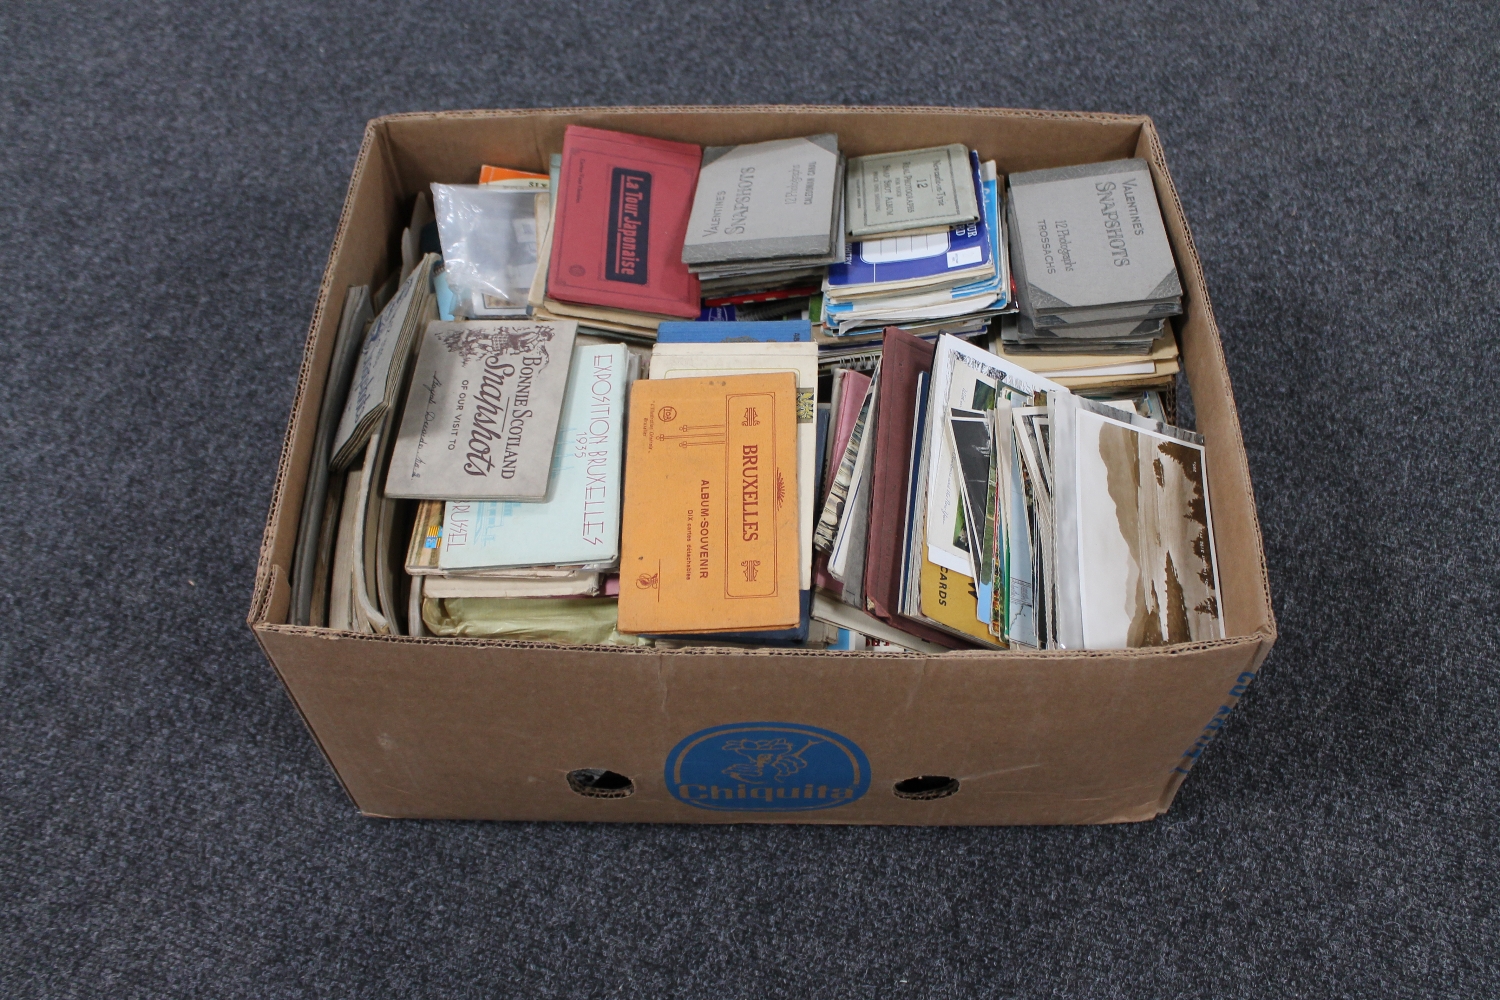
1147,569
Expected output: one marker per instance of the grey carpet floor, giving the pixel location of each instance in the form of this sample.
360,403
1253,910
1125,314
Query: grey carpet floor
170,177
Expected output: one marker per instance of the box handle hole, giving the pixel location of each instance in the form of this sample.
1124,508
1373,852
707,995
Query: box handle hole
926,786
597,783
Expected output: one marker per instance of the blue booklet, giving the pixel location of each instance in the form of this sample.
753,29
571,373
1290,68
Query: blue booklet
791,331
999,282
845,640
994,290
906,258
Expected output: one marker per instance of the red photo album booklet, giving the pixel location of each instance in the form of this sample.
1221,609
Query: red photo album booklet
622,215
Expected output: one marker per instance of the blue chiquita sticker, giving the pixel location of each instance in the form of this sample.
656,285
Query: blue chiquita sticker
767,767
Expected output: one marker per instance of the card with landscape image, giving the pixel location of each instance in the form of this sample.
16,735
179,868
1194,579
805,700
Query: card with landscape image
1147,569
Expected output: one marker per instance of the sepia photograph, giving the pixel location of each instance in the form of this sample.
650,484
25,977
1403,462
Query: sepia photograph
1147,573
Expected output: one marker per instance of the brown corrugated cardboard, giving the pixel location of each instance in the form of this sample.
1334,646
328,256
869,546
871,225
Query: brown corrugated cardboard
492,730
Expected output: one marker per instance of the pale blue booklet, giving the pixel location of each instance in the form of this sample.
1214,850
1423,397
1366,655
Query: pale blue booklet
578,524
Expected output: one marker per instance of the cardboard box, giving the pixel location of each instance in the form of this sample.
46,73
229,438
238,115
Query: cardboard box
477,729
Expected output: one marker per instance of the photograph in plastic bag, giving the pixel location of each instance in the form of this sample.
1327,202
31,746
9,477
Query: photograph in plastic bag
489,240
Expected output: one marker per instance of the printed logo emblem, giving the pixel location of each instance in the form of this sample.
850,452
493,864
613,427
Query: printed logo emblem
768,767
667,414
629,226
751,567
752,419
807,405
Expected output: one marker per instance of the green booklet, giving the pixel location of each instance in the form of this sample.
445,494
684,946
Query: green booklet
912,190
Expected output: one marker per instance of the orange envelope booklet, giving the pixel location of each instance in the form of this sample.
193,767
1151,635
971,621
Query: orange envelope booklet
710,521
517,179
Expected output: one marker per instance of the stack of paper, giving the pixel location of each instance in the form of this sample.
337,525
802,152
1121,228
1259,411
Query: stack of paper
320,505
928,281
368,586
843,518
564,542
1094,268
384,358
822,454
767,221
1037,518
1081,370
615,244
